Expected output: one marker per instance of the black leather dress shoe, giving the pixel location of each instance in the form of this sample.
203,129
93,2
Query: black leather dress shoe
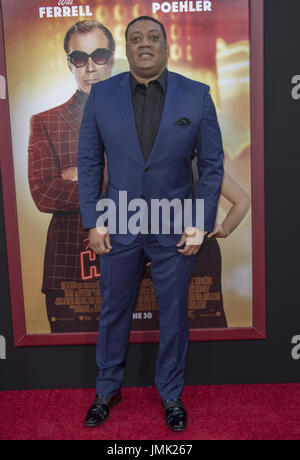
99,410
176,418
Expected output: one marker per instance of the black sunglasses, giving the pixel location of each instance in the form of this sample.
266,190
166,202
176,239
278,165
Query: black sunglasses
100,56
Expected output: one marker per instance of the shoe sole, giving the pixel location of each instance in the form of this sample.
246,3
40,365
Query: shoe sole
176,429
94,425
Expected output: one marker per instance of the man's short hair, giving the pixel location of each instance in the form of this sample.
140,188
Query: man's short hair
83,27
146,18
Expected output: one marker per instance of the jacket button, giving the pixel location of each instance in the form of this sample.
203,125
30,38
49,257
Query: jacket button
146,169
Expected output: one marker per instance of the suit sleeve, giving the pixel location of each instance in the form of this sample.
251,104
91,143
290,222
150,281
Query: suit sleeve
50,192
91,163
210,157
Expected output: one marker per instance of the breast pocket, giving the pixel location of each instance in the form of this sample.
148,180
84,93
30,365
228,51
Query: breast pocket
183,127
184,134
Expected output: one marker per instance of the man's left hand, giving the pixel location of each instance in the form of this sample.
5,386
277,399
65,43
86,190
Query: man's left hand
193,239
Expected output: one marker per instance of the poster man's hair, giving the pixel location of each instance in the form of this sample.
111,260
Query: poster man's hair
83,27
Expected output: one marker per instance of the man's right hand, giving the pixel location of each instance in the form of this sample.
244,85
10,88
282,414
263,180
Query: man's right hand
100,240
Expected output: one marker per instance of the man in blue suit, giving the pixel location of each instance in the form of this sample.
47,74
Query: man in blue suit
150,123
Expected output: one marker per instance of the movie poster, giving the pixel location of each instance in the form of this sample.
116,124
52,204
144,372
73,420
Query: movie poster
209,42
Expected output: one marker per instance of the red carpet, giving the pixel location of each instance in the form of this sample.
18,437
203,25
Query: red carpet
233,412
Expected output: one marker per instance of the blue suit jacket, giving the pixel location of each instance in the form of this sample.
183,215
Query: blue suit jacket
108,125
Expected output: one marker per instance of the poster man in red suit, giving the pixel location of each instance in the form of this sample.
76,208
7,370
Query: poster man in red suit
52,173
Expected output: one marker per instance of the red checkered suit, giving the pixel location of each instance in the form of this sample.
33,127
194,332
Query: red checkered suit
53,147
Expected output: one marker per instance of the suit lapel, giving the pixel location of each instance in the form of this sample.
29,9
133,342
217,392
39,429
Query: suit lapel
124,101
169,109
71,113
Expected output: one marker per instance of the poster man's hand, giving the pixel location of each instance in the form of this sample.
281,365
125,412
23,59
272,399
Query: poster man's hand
219,232
70,174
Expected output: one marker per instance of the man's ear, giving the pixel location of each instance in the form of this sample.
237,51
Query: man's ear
167,48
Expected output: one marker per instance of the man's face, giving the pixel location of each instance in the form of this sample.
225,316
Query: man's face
146,49
90,73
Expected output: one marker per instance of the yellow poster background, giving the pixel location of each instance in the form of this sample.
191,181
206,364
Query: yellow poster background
39,78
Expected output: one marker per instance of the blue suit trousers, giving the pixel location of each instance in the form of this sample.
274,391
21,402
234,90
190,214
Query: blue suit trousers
121,271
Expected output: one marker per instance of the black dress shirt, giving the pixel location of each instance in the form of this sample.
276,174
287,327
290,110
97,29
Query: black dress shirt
147,105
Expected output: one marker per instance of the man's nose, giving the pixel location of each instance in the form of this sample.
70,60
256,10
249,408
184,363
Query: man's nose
90,66
145,42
